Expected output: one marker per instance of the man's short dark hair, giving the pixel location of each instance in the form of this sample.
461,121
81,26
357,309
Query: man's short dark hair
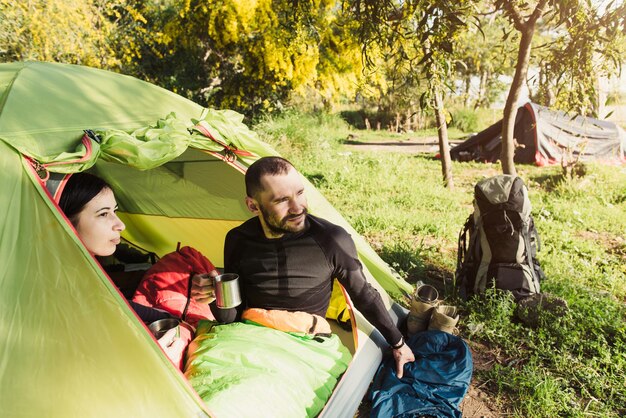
265,166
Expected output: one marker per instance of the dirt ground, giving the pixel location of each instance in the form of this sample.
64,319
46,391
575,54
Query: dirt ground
477,403
410,146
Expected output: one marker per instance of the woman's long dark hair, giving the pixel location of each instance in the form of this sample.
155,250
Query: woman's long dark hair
78,191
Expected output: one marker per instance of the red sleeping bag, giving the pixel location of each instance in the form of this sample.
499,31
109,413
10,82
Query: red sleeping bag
165,284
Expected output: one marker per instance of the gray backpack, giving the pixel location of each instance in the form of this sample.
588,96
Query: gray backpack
498,243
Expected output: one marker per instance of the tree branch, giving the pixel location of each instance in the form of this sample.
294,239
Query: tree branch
538,12
515,15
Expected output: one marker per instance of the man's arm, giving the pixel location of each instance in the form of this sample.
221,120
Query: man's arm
349,272
347,268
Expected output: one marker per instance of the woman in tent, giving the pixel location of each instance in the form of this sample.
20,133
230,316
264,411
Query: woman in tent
89,204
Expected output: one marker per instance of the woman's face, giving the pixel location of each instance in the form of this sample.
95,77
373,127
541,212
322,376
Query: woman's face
98,225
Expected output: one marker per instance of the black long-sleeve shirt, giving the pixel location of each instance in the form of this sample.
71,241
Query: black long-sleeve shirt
296,272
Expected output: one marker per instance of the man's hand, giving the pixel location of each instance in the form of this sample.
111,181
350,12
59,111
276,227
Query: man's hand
203,288
402,356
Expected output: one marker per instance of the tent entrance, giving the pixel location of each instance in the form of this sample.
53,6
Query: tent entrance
194,199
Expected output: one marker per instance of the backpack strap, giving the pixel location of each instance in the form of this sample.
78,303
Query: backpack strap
462,243
531,227
529,257
476,236
466,257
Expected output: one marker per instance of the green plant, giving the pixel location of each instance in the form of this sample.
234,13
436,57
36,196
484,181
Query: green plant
294,132
406,259
464,119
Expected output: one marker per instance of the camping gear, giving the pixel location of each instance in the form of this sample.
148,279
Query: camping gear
71,344
160,327
433,385
426,293
166,285
227,294
422,304
427,313
243,369
529,310
498,244
288,321
544,136
338,310
444,318
418,317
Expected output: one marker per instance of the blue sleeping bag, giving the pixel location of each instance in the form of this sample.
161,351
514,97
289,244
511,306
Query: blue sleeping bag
434,385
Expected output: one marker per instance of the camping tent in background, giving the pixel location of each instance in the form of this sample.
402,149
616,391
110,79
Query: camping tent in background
71,345
545,137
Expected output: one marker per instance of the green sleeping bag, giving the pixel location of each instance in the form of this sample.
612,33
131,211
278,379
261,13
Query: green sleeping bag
247,370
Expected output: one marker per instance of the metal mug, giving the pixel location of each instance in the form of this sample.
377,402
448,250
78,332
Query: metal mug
227,294
426,293
159,327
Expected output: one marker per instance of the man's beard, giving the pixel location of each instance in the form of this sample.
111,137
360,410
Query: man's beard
282,227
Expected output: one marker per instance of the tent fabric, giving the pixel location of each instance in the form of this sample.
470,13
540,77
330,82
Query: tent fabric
247,370
110,102
45,107
434,385
545,136
71,345
152,146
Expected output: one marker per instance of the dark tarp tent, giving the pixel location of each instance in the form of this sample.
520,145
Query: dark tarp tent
545,136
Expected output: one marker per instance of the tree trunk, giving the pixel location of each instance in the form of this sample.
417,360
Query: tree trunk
510,108
468,83
407,121
599,100
482,88
444,147
416,120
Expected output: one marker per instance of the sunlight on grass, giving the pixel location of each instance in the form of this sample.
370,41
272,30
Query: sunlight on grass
567,366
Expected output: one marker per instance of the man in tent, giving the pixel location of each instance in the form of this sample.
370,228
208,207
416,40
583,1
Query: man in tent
287,259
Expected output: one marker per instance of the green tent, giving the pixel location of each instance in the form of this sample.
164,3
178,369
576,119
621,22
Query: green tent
70,345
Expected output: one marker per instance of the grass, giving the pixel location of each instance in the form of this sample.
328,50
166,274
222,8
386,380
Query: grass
567,366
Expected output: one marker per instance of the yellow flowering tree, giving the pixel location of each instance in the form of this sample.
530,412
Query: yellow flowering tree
247,55
70,31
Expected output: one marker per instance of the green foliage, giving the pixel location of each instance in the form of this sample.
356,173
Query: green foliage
405,258
490,316
253,57
484,53
300,134
569,365
572,360
266,55
233,54
464,119
70,31
590,44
